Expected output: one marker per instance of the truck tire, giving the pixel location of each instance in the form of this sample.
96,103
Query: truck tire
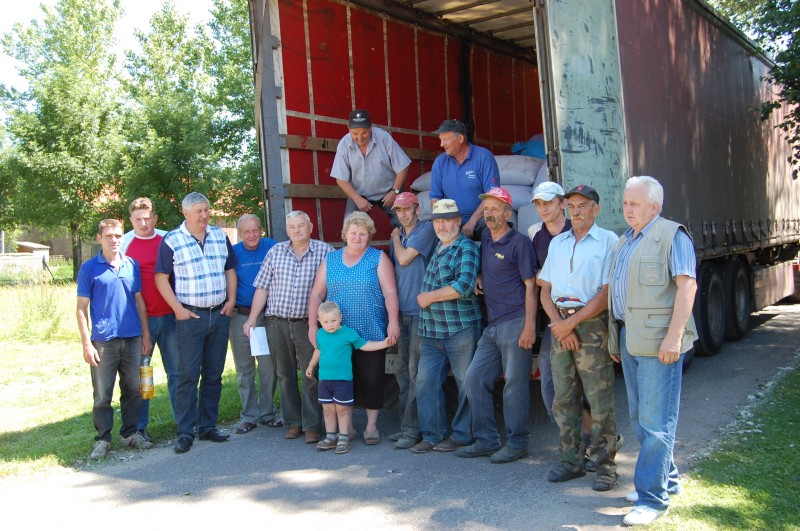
736,281
688,358
709,310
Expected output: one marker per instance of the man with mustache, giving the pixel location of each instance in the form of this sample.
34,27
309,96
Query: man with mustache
574,294
508,282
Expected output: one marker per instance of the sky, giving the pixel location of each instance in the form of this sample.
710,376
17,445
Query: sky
137,16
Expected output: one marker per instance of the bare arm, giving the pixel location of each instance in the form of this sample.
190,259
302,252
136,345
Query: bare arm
371,346
181,313
256,307
141,309
318,293
404,255
361,203
670,349
230,288
528,336
469,226
399,180
90,354
312,364
389,290
569,340
593,308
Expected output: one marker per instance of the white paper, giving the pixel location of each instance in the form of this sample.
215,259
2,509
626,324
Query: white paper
258,341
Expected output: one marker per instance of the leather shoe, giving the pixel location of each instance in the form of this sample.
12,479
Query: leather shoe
214,435
293,432
183,445
564,473
312,437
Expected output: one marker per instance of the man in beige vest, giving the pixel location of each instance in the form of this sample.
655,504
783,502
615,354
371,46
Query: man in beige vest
650,299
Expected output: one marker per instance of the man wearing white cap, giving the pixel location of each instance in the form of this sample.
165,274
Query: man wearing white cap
411,248
508,281
549,200
370,167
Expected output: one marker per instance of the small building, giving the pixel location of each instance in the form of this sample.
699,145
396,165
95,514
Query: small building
37,249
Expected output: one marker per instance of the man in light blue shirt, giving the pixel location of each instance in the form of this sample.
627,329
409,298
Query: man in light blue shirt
574,295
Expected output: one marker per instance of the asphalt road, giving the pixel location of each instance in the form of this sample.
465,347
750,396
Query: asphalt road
262,480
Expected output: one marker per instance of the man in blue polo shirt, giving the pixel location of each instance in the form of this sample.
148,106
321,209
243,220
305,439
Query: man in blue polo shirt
508,282
462,173
110,290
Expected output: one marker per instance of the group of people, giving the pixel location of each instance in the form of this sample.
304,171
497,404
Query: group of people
591,298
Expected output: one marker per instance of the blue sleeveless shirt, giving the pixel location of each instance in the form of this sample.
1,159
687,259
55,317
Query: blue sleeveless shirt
357,291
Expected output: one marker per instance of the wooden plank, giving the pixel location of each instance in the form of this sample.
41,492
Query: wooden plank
329,144
315,191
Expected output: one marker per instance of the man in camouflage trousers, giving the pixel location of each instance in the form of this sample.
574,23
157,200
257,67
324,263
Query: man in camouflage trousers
574,294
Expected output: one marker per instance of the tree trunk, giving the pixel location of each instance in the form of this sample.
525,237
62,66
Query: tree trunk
77,256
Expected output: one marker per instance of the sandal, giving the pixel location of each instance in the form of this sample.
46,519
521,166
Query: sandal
371,439
342,446
273,423
327,444
245,427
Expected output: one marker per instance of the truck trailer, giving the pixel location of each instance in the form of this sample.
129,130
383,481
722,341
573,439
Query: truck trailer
666,88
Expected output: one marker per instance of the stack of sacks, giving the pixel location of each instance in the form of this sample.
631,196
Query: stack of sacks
519,174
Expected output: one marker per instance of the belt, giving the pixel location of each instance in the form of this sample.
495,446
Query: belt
620,322
565,313
244,310
196,309
290,319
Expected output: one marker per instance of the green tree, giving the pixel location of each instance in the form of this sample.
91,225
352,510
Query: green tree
64,125
775,27
231,67
170,136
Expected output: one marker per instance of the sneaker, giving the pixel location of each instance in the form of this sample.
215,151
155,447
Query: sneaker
447,445
632,496
137,441
475,450
101,448
405,442
422,447
506,454
642,515
328,443
144,435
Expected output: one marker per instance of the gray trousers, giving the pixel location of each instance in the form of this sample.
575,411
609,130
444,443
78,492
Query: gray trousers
256,399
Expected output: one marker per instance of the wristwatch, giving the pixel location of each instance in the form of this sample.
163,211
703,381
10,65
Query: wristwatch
395,190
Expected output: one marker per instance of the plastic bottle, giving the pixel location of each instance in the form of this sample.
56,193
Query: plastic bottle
146,380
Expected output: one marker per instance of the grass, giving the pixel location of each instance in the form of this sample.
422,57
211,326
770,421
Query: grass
751,480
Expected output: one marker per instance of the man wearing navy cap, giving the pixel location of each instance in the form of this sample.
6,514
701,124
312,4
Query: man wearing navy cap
462,173
574,283
508,281
370,167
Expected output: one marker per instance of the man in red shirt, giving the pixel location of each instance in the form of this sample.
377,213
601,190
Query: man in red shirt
142,245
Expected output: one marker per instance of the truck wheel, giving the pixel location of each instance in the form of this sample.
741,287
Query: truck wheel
737,299
709,310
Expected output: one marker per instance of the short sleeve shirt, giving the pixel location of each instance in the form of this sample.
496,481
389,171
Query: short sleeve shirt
373,174
466,181
112,305
409,277
336,352
249,262
505,266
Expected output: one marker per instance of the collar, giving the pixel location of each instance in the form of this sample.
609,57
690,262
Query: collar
102,259
629,231
186,231
593,232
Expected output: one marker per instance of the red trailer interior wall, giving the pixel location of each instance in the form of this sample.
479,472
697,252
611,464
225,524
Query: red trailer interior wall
337,57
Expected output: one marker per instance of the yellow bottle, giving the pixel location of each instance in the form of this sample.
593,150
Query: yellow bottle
146,380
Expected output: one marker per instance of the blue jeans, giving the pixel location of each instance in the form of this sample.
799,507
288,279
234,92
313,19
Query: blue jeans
499,351
120,355
202,346
436,358
654,394
408,345
546,372
256,401
162,333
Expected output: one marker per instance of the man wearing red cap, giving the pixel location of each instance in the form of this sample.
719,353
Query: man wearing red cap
370,167
508,282
411,248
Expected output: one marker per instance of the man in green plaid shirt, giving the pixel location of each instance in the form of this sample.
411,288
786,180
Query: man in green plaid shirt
449,327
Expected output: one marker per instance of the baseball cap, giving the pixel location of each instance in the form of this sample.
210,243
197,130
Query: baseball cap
547,191
405,199
452,126
445,209
585,191
500,193
359,118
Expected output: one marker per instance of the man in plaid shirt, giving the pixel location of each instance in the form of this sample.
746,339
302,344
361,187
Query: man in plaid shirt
283,287
449,326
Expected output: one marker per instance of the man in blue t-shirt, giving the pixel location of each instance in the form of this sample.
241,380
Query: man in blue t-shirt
508,282
110,291
412,245
257,406
462,173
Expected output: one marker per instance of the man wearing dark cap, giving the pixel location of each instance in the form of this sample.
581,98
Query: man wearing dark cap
370,167
574,295
508,282
462,173
449,325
